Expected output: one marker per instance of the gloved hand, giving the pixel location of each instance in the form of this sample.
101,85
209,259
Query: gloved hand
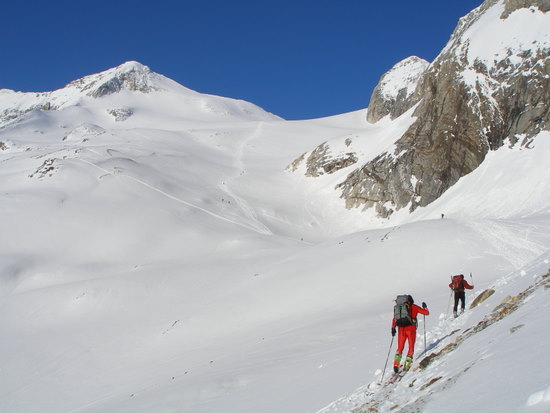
424,305
393,331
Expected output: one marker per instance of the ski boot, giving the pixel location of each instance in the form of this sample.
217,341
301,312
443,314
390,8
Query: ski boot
396,361
408,362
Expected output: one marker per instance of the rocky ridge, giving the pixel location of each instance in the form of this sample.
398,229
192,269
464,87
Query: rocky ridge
131,76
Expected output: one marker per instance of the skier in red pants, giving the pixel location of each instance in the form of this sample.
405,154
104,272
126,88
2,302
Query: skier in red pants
405,319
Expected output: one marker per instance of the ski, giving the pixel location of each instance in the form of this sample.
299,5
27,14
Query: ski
396,377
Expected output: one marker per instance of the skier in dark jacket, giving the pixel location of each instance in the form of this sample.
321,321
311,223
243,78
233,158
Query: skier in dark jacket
407,333
459,285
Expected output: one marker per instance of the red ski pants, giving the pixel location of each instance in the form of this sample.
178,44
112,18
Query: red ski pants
406,334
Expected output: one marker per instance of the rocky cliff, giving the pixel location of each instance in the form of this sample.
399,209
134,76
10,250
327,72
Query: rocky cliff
394,94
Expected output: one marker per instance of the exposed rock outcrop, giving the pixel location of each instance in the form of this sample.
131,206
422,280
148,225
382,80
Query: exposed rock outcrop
120,114
513,5
394,94
11,114
327,158
320,162
482,297
131,76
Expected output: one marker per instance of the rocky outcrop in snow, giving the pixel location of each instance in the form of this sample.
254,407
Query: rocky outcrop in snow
120,114
513,5
321,161
18,104
131,76
394,94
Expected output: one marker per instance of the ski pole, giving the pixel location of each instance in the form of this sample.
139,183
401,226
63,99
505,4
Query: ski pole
449,303
387,358
472,295
425,351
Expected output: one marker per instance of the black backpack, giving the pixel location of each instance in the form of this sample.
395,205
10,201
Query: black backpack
402,311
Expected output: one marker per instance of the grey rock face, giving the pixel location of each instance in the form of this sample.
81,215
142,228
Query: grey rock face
513,5
320,161
131,76
113,85
120,114
129,80
10,115
466,109
394,94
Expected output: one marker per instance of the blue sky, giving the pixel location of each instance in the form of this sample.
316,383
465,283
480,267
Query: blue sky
297,59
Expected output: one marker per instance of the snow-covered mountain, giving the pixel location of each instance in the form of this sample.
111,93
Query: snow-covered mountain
488,88
110,94
163,250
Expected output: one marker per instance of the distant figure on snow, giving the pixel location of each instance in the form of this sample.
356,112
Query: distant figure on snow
404,318
442,216
459,286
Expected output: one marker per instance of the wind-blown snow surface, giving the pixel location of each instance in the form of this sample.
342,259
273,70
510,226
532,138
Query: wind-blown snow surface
157,262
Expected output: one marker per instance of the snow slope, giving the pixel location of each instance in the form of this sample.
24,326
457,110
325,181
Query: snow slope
485,360
160,258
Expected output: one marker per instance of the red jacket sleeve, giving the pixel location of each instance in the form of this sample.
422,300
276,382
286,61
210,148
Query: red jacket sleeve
415,310
393,323
466,285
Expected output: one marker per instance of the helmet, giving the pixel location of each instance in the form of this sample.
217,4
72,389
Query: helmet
411,299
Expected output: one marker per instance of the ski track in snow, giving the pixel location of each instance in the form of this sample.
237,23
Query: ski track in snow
238,163
172,197
504,236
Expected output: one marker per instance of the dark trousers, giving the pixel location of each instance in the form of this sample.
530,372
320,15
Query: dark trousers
459,296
